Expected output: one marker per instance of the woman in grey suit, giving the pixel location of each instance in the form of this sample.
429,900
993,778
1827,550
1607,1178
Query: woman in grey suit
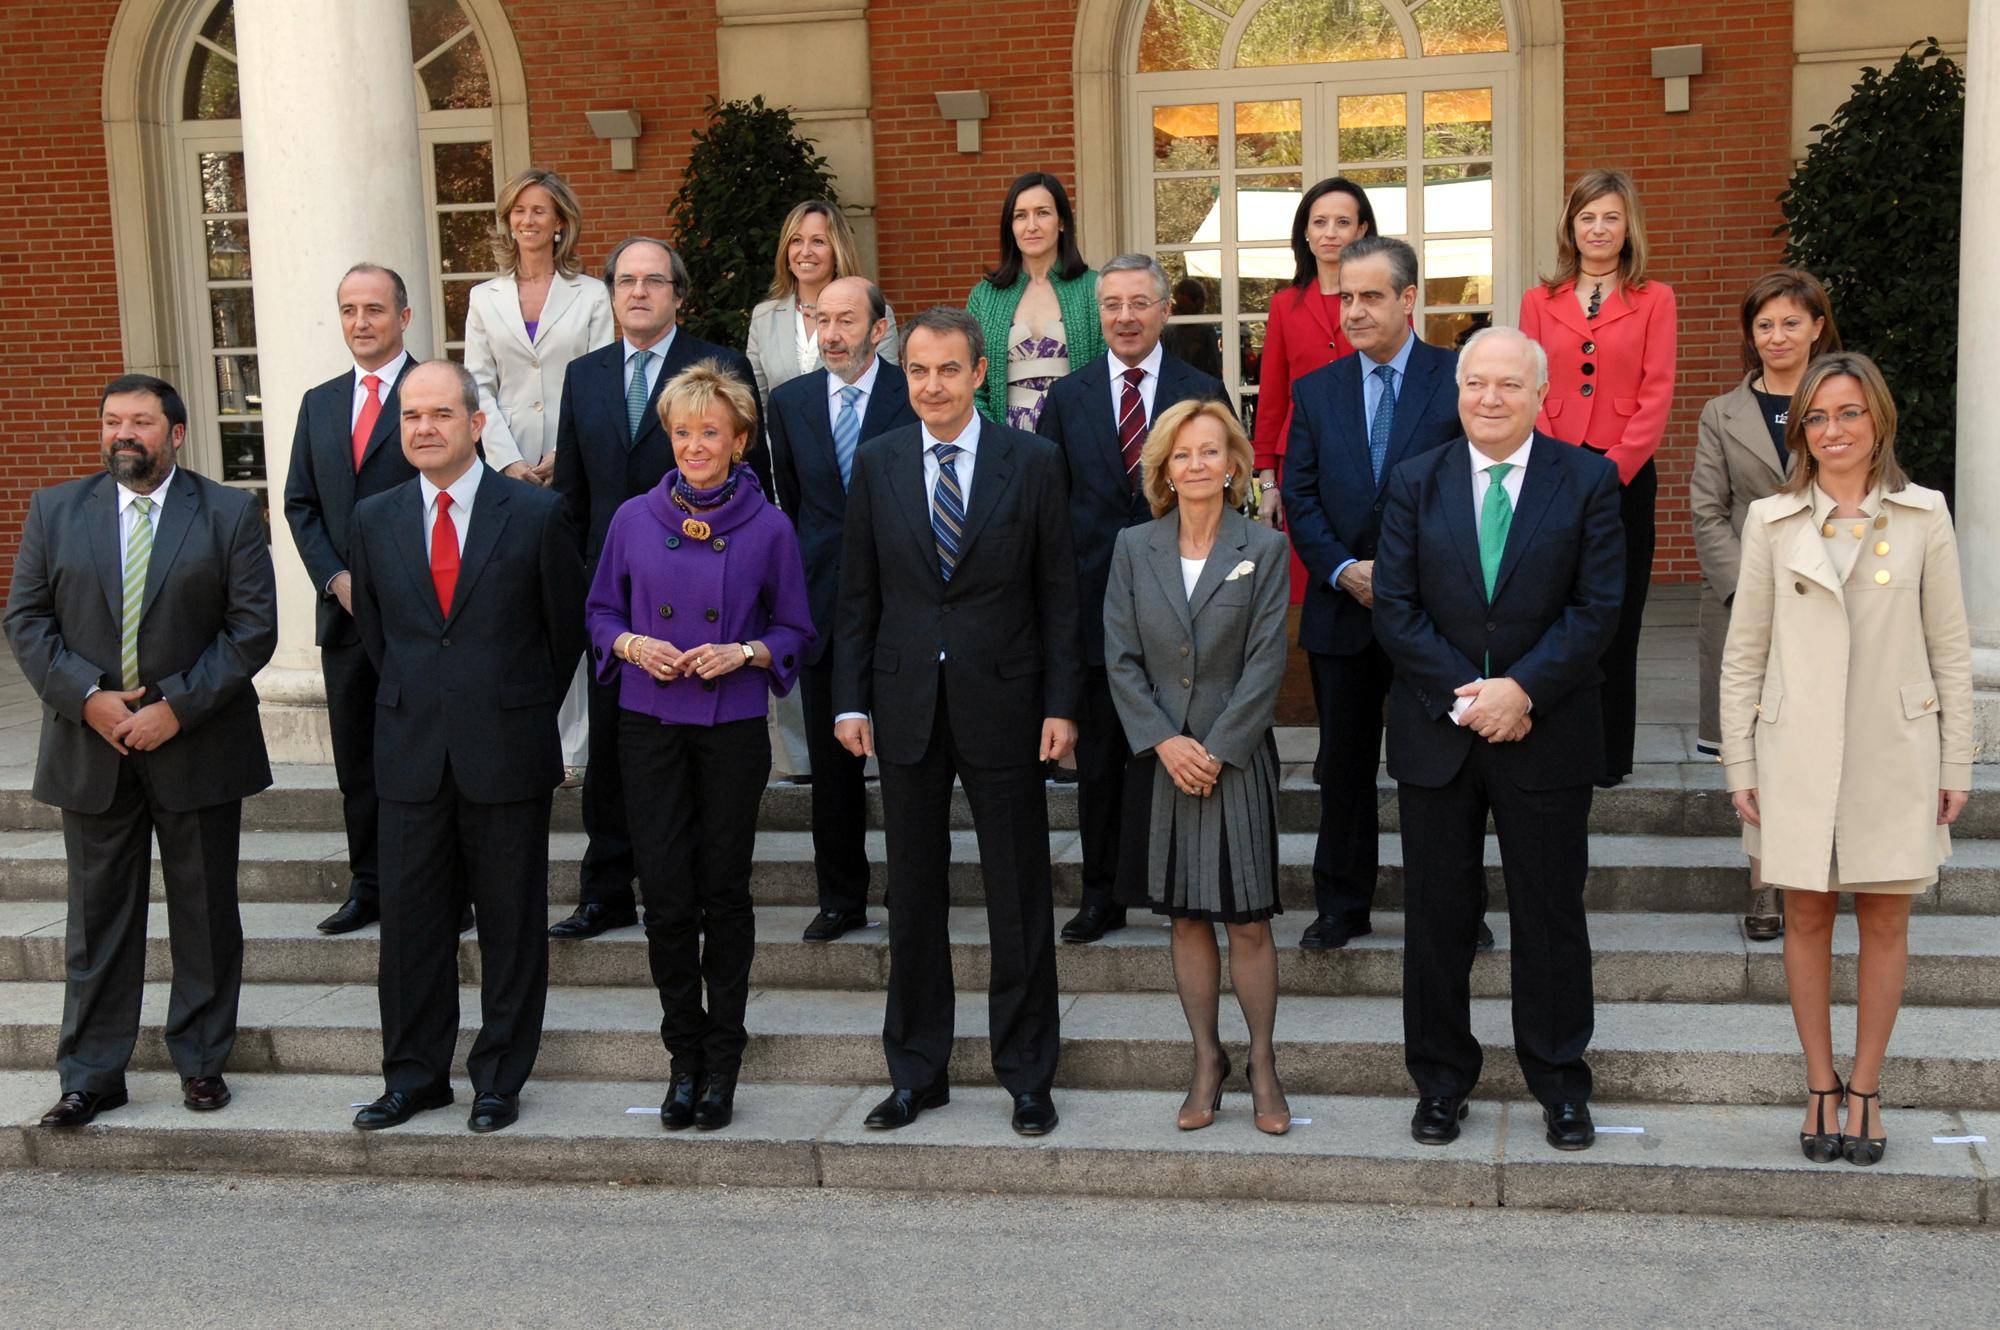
1194,644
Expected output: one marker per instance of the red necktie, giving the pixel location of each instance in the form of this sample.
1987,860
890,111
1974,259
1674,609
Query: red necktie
371,411
444,554
1132,425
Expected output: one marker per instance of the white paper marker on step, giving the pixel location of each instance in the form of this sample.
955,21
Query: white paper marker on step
1621,1131
1302,1122
642,1109
1958,1140
357,1105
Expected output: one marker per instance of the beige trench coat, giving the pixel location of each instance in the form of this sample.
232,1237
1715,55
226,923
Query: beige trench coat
1848,707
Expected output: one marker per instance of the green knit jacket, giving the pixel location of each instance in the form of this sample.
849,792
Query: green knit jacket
995,308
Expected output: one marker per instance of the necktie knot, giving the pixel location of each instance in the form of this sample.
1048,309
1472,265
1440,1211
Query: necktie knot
1386,373
849,395
946,453
642,358
444,501
1135,376
373,383
1498,471
143,504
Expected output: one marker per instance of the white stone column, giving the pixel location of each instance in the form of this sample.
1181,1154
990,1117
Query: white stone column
1977,510
331,154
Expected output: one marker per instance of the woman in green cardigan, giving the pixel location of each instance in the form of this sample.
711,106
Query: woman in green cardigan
1038,308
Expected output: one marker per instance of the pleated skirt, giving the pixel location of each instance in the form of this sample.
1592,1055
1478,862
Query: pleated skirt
1213,858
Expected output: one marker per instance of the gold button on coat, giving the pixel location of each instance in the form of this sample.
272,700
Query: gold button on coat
1882,547
1799,587
1881,577
1827,530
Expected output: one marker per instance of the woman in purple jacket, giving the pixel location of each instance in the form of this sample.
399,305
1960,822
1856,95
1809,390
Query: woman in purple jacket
698,611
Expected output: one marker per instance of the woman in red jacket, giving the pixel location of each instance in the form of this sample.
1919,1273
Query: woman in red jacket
1609,334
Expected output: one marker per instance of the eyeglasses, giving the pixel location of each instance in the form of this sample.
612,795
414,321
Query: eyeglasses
653,282
1138,308
1817,420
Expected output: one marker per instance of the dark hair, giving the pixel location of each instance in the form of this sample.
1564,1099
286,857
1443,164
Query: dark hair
468,387
1402,259
171,405
1069,260
395,280
1302,253
1788,284
944,320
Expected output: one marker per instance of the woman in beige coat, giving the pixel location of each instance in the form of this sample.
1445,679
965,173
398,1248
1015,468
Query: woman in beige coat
1739,457
1847,718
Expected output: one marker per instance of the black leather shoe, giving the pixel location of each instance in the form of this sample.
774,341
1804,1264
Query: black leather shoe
1093,922
590,920
395,1108
491,1112
465,919
205,1094
1569,1126
830,924
1485,940
1328,933
1436,1120
901,1108
1035,1114
717,1104
79,1106
677,1109
354,914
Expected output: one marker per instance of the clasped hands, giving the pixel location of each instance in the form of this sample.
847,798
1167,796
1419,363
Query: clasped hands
1193,768
665,661
1499,712
112,716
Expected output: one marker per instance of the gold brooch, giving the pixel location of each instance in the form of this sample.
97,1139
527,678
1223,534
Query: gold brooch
693,529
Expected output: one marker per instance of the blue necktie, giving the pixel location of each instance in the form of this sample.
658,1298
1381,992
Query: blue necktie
947,509
1385,420
846,433
635,392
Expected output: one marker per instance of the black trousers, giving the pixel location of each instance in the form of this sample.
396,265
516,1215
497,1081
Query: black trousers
1010,812
110,872
606,876
1621,659
1349,693
350,711
501,853
692,801
1544,854
1102,755
839,799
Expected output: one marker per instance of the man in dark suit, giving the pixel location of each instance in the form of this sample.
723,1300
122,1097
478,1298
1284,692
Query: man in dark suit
347,447
143,604
957,630
468,595
1352,422
818,421
1098,415
611,446
1497,586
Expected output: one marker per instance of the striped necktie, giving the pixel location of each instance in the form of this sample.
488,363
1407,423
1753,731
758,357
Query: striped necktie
947,509
1385,420
138,555
846,433
636,394
1132,425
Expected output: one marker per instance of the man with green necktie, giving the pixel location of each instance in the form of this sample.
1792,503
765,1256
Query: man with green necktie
1497,586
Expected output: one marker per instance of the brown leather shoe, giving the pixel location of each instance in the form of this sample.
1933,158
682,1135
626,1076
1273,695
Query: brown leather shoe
1764,921
205,1094
79,1106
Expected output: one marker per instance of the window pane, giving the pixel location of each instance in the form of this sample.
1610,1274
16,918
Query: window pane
1458,198
1372,128
1186,138
221,25
463,171
1203,267
228,250
1265,204
1268,134
236,387
1311,32
1387,196
222,187
433,23
1461,27
1459,123
1250,340
211,93
456,80
457,295
465,241
1179,36
232,317
1185,210
242,450
1450,330
1199,344
1259,274
1458,272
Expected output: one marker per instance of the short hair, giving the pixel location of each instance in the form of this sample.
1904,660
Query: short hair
395,280
677,270
1402,258
1883,469
468,387
1144,263
1535,352
1305,262
701,385
1159,446
506,253
1787,284
943,320
839,235
1069,259
171,405
1594,184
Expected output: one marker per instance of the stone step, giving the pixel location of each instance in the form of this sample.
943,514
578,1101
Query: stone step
1725,1053
1663,874
1724,1161
1636,957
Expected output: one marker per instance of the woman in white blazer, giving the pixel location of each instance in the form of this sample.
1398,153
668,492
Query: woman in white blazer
522,329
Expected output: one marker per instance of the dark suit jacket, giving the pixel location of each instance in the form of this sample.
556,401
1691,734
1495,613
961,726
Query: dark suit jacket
1554,610
807,475
1078,418
323,486
478,687
1006,622
210,623
1333,506
599,464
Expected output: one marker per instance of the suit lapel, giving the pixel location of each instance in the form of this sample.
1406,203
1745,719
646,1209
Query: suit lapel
409,547
906,483
1315,307
102,506
1165,562
562,294
183,500
1805,554
507,293
1103,423
333,436
820,419
782,346
489,518
1223,559
1454,482
992,470
890,398
670,364
1746,429
1421,381
1540,484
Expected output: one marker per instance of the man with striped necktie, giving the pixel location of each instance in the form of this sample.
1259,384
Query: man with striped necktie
143,603
955,655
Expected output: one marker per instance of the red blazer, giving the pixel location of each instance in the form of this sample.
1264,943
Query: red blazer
1621,406
1301,336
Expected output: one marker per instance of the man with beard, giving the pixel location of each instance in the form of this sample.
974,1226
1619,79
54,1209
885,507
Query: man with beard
143,603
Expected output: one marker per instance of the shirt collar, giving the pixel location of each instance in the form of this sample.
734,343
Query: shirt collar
461,490
658,348
1151,364
1823,504
1518,458
389,373
866,383
158,496
967,440
1400,362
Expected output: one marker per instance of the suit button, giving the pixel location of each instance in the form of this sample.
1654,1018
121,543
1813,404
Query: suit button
708,685
712,615
1378,507
788,660
1184,650
947,609
1590,348
1585,390
673,542
1589,368
666,611
445,643
1492,627
659,683
535,364
1799,587
597,653
538,406
1185,683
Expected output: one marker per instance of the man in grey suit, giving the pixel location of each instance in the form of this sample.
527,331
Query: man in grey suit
143,603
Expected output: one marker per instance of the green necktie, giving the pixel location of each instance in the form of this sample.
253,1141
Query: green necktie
636,394
1496,514
138,554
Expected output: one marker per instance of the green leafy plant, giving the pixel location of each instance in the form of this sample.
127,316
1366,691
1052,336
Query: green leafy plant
1873,213
749,168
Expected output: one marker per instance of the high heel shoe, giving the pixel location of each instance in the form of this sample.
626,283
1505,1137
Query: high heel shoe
1276,1122
1194,1119
1823,1146
1861,1149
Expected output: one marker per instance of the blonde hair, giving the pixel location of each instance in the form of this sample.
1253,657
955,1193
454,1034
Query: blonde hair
701,385
507,253
846,254
1590,185
1159,446
1883,469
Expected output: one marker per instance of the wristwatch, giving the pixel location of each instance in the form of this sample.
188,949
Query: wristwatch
749,652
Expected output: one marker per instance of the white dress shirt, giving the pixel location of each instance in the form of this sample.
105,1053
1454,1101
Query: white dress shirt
866,383
653,366
387,374
461,491
127,514
805,334
1149,384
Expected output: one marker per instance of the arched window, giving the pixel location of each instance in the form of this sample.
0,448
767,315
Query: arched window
1246,102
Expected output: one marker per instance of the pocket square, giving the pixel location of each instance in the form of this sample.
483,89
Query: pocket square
1243,569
